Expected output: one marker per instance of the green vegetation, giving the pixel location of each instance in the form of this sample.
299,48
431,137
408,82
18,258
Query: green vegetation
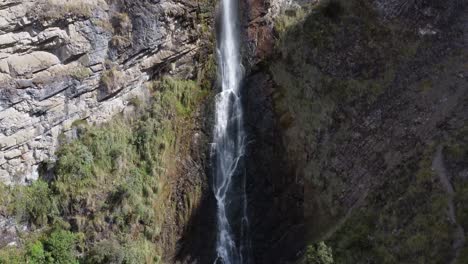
333,61
309,38
111,192
135,101
204,19
336,62
106,25
307,42
456,148
34,204
121,23
306,76
55,247
122,30
403,221
118,41
59,247
111,80
60,9
289,19
318,253
179,93
207,74
80,73
134,252
206,56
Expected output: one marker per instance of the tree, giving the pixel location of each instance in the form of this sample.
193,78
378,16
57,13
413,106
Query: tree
60,247
318,253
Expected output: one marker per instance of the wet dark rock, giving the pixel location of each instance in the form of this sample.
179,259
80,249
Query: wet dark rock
274,192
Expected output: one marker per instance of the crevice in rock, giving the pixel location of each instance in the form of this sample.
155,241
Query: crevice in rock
48,96
439,167
74,58
8,5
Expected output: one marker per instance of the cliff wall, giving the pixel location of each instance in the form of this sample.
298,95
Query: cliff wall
63,61
358,96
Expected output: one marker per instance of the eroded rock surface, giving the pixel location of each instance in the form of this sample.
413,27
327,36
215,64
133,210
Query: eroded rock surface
53,55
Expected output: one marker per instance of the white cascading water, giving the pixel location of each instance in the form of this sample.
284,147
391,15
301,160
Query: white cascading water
229,145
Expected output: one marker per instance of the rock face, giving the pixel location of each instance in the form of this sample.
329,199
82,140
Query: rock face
419,12
259,18
63,61
341,104
274,190
354,94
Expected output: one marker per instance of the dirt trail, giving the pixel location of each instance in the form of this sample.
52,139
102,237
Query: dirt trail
439,167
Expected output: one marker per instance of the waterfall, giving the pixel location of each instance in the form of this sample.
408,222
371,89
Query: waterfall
232,246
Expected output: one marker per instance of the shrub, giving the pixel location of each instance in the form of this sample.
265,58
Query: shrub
4,198
79,123
121,23
11,255
118,41
107,251
207,74
122,28
36,253
57,247
34,203
75,163
404,219
111,80
127,251
60,247
135,101
111,183
62,9
318,253
104,24
139,251
290,18
80,73
180,95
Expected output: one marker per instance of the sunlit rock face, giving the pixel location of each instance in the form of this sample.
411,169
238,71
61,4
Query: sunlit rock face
54,60
258,18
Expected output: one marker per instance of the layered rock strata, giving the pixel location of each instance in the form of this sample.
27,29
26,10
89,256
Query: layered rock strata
63,61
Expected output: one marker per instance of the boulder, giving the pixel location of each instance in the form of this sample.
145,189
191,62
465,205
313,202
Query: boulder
21,65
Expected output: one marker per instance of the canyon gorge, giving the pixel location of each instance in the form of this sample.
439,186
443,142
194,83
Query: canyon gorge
233,131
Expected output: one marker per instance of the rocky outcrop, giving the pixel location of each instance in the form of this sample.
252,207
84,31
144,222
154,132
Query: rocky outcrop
258,20
63,61
9,230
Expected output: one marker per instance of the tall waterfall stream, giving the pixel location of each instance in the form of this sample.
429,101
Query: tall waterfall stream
232,244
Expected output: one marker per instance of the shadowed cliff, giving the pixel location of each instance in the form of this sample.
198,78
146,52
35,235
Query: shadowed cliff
361,95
